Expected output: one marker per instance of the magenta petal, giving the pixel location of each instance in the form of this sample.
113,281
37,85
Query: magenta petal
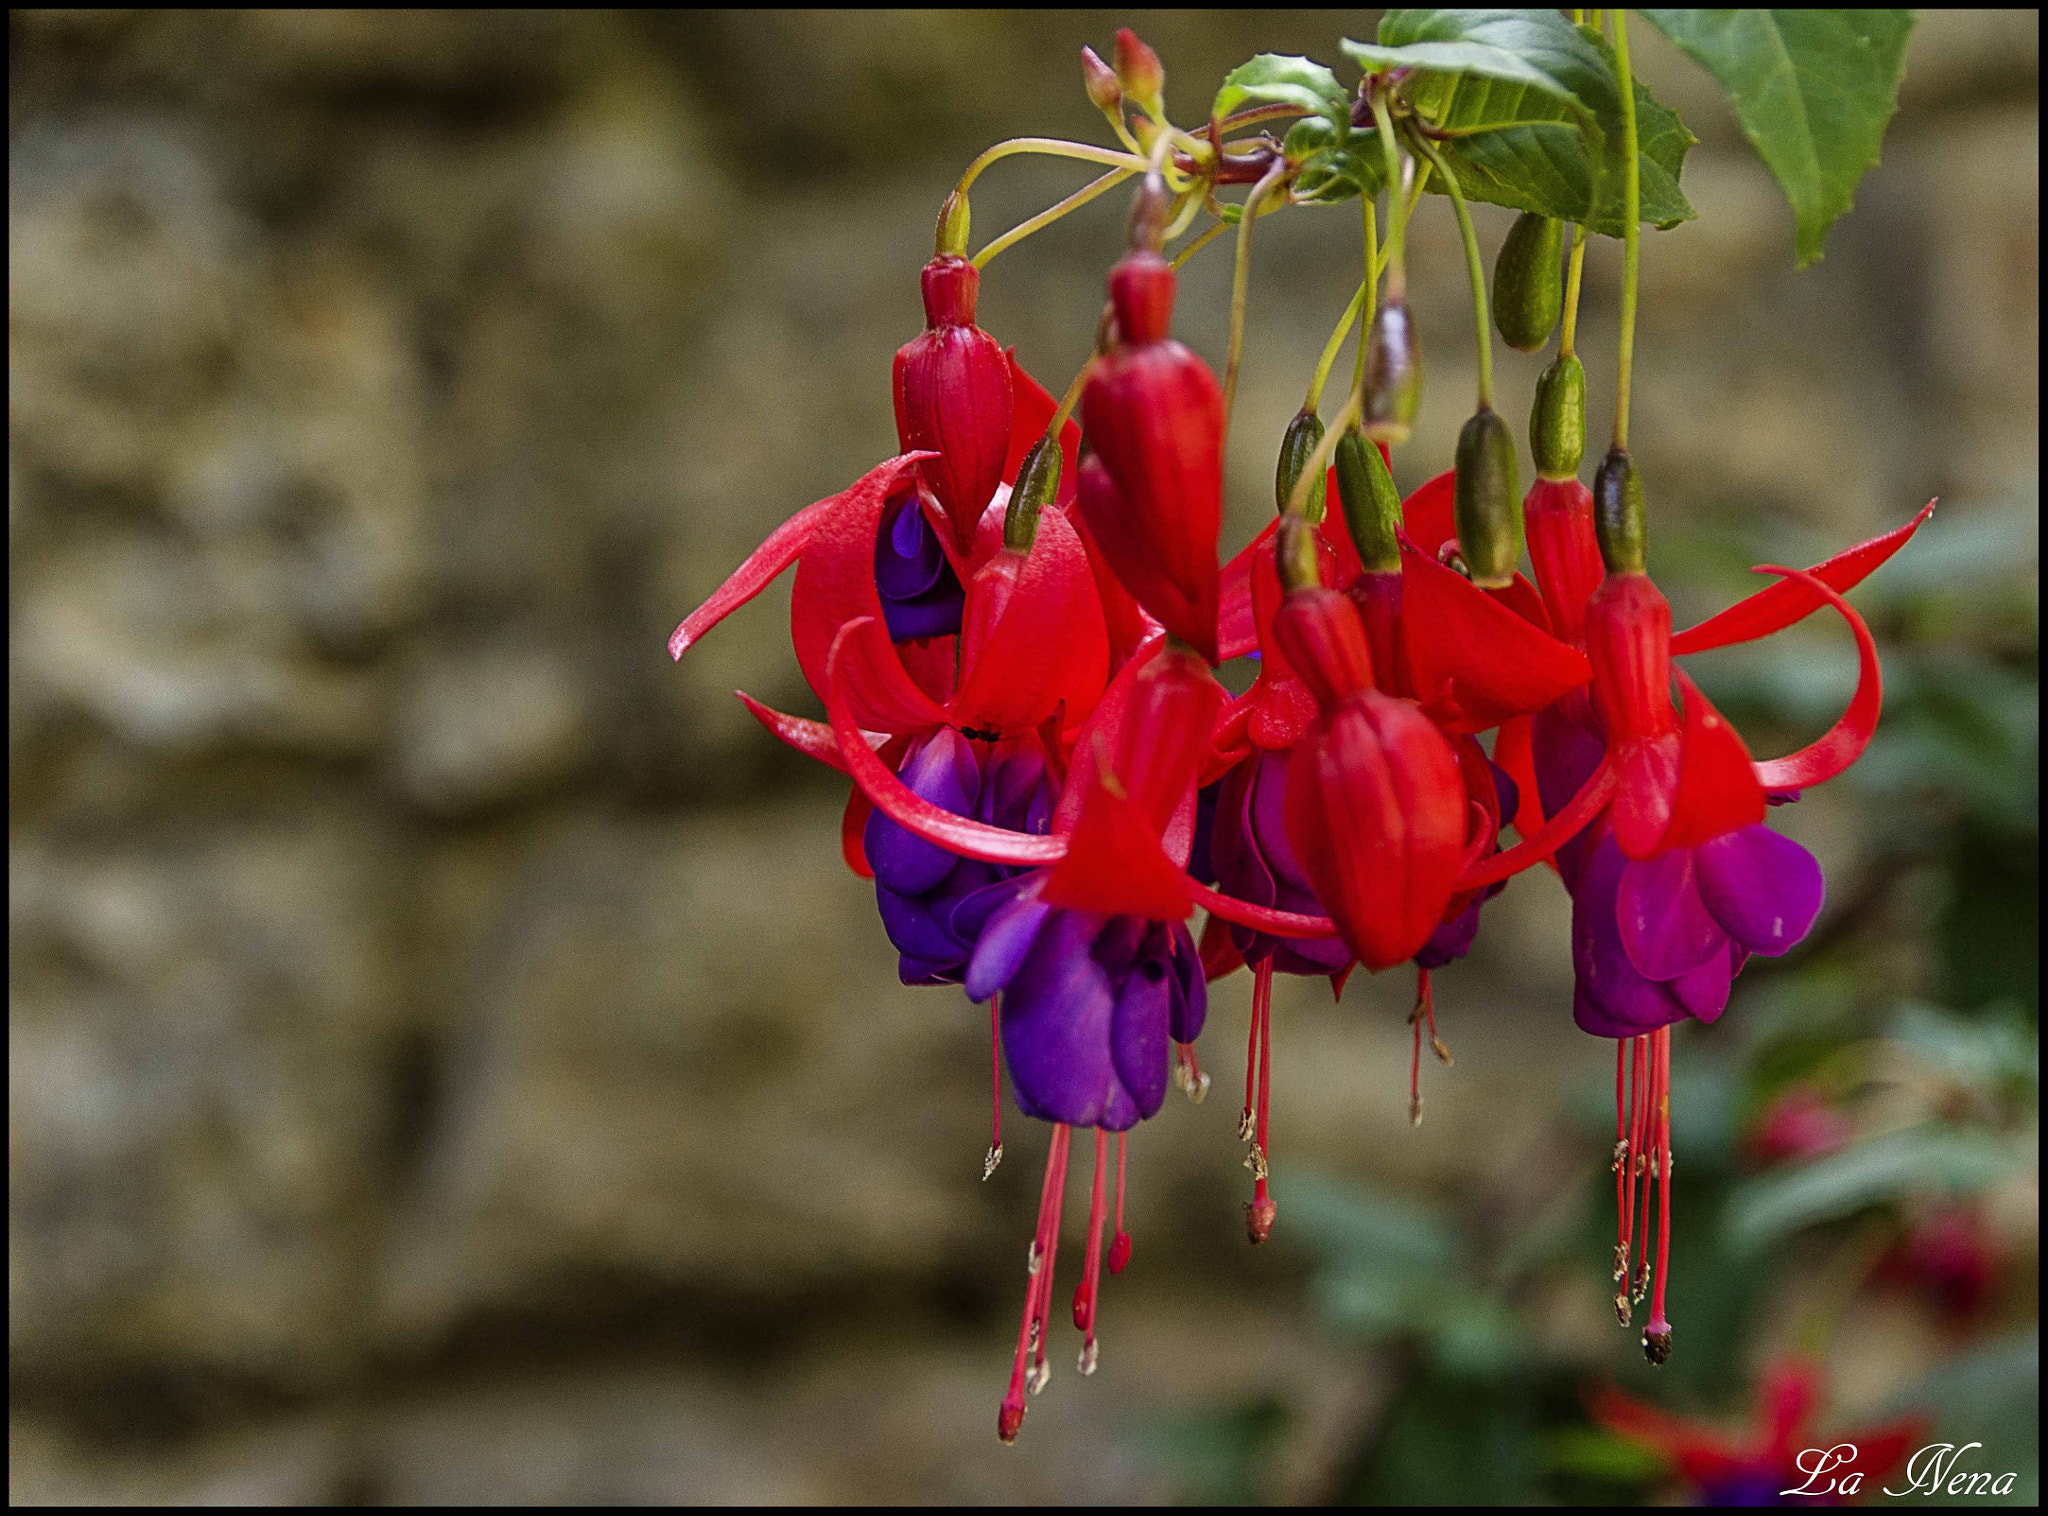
1610,990
1704,990
1138,1031
1665,926
1763,888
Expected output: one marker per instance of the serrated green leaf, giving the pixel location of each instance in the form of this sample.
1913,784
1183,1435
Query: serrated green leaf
1894,1166
1274,79
1535,50
1812,90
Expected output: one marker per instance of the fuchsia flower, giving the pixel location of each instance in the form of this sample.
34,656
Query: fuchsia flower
953,397
1761,1466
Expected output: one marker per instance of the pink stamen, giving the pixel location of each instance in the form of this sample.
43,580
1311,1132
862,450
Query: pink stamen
1643,1161
1657,1335
1259,1214
1038,1287
995,1058
1120,1245
1087,1293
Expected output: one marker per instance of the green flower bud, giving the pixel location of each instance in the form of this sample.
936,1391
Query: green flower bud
1294,555
1557,422
1393,375
1304,432
1488,500
1618,513
1372,506
1038,480
952,229
1528,289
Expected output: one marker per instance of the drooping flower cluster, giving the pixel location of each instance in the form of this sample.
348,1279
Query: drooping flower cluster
1011,625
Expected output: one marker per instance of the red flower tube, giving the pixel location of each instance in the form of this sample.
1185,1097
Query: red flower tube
953,396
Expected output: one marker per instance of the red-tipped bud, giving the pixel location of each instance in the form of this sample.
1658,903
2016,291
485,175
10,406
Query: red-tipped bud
953,397
1258,1219
1557,516
1321,637
1154,414
1119,1252
1628,642
1375,810
1139,70
1099,79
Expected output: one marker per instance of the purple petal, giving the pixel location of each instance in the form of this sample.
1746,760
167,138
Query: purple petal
1056,1024
921,595
1704,991
1452,939
971,911
1664,925
1006,939
918,972
1190,988
914,931
944,772
1764,889
1609,989
1138,1031
1564,754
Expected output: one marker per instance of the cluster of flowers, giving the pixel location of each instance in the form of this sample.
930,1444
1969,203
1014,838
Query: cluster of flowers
1012,624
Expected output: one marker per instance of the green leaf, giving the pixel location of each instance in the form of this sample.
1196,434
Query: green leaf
1274,79
1812,90
1896,1165
1332,162
1538,51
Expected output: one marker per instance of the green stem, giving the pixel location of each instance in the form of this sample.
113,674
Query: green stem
1241,279
1252,115
1190,207
1050,214
1208,236
1397,234
1052,147
1632,196
1336,343
1375,260
1568,334
1070,399
1475,269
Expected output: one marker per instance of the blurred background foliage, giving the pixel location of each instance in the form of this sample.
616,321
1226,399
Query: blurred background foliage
448,1062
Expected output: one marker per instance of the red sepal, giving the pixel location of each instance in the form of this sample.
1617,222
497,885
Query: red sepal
1219,952
853,825
1473,661
1114,863
1031,411
1429,516
1032,635
970,839
1717,788
754,575
1260,918
813,739
1535,848
1776,608
835,584
1844,742
1514,752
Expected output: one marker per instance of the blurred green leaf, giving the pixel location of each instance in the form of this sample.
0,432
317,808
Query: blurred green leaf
1272,78
1993,1396
1593,1454
1915,1161
1356,1227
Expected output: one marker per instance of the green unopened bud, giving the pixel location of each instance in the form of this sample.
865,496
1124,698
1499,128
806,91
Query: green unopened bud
1038,480
1528,288
1488,500
952,233
1557,422
1372,506
1304,432
1099,79
1393,375
1618,513
1294,555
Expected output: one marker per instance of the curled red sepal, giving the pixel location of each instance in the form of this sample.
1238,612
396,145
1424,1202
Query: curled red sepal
1717,790
1552,835
957,834
753,576
1114,863
1260,918
1475,662
1429,516
1218,950
1843,743
1514,752
1237,619
1033,634
853,825
1774,609
813,739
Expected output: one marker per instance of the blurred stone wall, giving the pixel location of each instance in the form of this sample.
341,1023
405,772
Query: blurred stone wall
447,1059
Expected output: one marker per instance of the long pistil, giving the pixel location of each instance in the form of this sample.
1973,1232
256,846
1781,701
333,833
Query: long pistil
1038,1269
1086,1293
1258,1216
1657,1335
995,1058
1120,1244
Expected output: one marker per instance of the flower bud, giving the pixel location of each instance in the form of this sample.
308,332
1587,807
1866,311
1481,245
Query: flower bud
953,393
1376,813
1488,500
1153,412
1295,556
1304,433
1528,292
1618,513
1557,422
1322,639
1099,79
1038,480
1628,642
954,218
1139,71
1557,514
1393,375
1372,505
